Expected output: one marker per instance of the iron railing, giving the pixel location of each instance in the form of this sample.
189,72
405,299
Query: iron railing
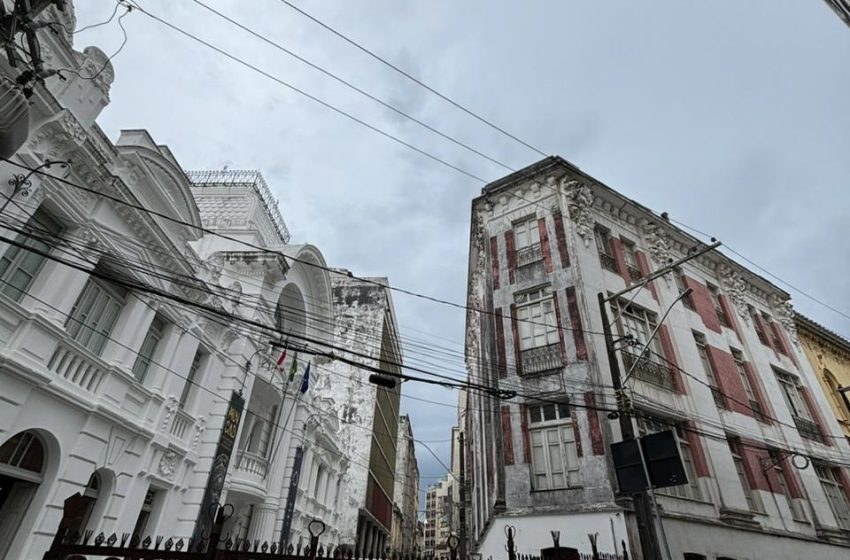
635,275
647,370
542,358
529,255
243,178
757,410
719,398
608,262
808,429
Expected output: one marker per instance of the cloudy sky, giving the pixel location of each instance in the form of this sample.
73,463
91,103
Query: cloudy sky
731,116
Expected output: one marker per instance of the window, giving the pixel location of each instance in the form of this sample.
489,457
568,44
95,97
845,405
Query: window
753,499
776,459
94,314
145,514
773,333
604,247
651,367
539,340
839,396
528,248
702,350
714,294
691,489
741,367
554,460
191,378
679,276
145,356
630,257
793,393
18,266
830,482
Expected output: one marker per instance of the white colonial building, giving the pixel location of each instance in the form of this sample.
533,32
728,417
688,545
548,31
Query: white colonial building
125,329
766,463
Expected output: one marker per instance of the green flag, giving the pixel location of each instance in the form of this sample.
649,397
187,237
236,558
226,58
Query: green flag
294,367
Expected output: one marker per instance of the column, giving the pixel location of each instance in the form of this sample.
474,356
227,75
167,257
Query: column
262,523
129,332
184,353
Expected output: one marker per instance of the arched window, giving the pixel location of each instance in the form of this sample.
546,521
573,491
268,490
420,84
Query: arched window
291,312
24,452
840,398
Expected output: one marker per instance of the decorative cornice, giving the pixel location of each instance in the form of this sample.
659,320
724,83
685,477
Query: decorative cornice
580,198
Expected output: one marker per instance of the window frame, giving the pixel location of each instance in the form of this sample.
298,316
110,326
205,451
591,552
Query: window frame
529,324
714,296
720,398
561,425
691,490
191,378
752,497
828,478
604,247
77,324
39,225
145,355
525,230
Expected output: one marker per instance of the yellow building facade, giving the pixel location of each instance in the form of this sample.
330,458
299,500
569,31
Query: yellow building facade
829,355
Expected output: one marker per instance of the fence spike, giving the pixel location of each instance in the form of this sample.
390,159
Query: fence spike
265,547
124,537
256,544
158,542
169,544
290,549
273,548
246,545
113,538
228,544
321,552
147,542
76,536
98,540
178,546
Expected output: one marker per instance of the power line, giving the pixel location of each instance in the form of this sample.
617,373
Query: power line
412,78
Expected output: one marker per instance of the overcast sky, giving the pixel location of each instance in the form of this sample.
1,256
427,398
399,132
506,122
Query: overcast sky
730,115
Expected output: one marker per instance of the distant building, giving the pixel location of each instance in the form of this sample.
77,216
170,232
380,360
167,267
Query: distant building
723,372
829,355
365,328
439,510
406,493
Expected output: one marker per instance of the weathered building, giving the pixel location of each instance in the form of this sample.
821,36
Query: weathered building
406,491
724,371
439,518
365,332
828,354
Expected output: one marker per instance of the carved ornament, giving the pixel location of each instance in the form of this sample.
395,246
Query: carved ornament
57,137
736,288
168,464
580,198
784,312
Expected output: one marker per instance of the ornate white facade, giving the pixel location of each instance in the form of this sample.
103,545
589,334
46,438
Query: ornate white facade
115,394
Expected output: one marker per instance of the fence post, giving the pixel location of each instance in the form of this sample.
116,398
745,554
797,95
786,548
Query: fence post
215,534
316,527
510,531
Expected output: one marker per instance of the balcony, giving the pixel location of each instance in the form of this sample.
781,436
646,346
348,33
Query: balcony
757,410
529,255
542,359
649,371
808,429
249,473
608,262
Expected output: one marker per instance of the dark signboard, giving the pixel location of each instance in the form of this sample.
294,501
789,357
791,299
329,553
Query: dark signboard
663,462
218,471
291,496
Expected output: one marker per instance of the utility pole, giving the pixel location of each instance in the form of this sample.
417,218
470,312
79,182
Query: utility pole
462,496
649,543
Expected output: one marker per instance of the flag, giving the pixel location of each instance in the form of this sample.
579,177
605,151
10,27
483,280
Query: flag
281,358
305,381
294,367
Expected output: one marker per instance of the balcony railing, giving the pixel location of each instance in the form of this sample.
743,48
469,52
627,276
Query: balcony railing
808,429
635,274
252,463
75,367
529,255
649,371
542,358
608,262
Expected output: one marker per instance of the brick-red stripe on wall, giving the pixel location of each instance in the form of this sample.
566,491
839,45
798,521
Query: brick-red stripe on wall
576,432
523,423
575,324
507,435
510,252
561,237
758,389
728,380
619,259
643,266
515,333
501,356
670,355
560,327
697,451
494,261
545,249
753,464
593,421
703,304
727,309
